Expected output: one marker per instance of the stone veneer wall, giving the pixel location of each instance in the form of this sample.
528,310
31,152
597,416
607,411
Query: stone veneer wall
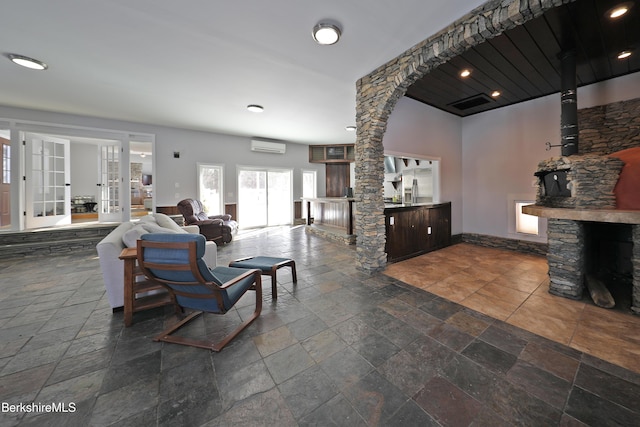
591,177
378,93
606,129
524,246
635,293
566,258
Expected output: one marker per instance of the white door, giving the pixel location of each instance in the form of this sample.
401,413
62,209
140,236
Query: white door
109,207
47,180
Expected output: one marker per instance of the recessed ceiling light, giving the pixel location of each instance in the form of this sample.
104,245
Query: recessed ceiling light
624,54
465,73
495,93
255,108
619,10
350,128
326,34
27,62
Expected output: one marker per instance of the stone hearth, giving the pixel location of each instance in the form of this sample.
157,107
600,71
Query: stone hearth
567,247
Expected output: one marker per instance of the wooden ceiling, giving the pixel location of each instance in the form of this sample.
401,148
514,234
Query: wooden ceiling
523,63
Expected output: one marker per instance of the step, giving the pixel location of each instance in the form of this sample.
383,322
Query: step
52,241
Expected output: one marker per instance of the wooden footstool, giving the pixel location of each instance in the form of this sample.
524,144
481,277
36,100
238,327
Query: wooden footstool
268,265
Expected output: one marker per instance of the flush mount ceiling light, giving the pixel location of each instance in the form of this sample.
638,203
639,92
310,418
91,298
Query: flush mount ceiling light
465,73
619,10
495,93
350,128
326,33
27,62
255,108
625,54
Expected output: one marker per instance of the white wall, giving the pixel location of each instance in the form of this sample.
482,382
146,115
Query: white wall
418,130
502,148
194,146
213,148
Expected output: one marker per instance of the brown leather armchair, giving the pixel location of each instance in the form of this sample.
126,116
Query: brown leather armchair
219,228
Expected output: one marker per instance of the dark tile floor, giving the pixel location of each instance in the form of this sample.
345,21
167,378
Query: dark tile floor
339,348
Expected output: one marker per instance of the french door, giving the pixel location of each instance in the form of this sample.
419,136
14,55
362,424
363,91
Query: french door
5,183
109,208
264,197
48,192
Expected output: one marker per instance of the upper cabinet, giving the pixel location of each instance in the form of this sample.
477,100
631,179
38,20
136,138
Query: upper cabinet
332,153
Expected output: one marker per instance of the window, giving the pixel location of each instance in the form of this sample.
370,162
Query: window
308,187
527,224
211,188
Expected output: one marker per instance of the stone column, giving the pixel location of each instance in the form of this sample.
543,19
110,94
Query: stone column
369,168
566,258
635,296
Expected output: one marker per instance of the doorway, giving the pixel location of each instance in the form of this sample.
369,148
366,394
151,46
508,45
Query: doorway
54,175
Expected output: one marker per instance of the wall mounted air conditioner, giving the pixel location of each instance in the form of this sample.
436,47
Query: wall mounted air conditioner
268,147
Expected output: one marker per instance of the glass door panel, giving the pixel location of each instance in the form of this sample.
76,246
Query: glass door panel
252,198
47,181
110,182
279,197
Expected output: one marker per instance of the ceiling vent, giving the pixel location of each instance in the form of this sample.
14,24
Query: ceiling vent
268,146
471,102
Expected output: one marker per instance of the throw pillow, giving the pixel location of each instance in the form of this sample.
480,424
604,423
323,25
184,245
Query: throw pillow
133,235
155,228
166,222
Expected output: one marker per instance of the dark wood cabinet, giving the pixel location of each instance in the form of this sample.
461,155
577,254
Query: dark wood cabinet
332,153
337,178
414,230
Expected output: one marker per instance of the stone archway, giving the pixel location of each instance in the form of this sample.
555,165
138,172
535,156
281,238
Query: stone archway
379,91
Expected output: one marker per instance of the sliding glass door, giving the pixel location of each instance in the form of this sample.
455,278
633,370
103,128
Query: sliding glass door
264,197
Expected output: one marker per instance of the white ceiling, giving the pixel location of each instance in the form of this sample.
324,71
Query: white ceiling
197,64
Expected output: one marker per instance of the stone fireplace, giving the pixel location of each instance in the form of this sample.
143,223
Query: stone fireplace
589,239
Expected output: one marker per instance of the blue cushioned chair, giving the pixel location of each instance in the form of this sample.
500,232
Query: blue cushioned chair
175,261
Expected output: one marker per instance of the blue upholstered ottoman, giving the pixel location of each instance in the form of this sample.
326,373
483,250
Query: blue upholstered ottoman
268,265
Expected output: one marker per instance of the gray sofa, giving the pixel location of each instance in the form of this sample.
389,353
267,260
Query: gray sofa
126,235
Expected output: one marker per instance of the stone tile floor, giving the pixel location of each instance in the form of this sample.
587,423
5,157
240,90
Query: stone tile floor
514,287
339,348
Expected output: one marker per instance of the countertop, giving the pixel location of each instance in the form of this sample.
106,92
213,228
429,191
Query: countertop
413,205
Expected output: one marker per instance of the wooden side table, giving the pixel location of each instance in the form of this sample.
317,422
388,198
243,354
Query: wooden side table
134,287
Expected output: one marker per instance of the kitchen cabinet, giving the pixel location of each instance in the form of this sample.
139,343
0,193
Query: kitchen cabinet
332,153
412,230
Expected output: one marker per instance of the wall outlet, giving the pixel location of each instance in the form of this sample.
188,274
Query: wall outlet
391,220
428,230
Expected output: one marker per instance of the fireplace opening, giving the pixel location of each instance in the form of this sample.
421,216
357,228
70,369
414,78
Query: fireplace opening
554,183
608,255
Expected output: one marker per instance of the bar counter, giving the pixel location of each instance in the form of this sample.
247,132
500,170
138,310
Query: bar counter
331,211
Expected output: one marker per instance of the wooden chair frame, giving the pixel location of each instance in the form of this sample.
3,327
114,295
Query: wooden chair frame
216,292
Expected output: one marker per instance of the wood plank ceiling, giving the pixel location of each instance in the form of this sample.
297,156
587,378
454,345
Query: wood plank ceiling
523,63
